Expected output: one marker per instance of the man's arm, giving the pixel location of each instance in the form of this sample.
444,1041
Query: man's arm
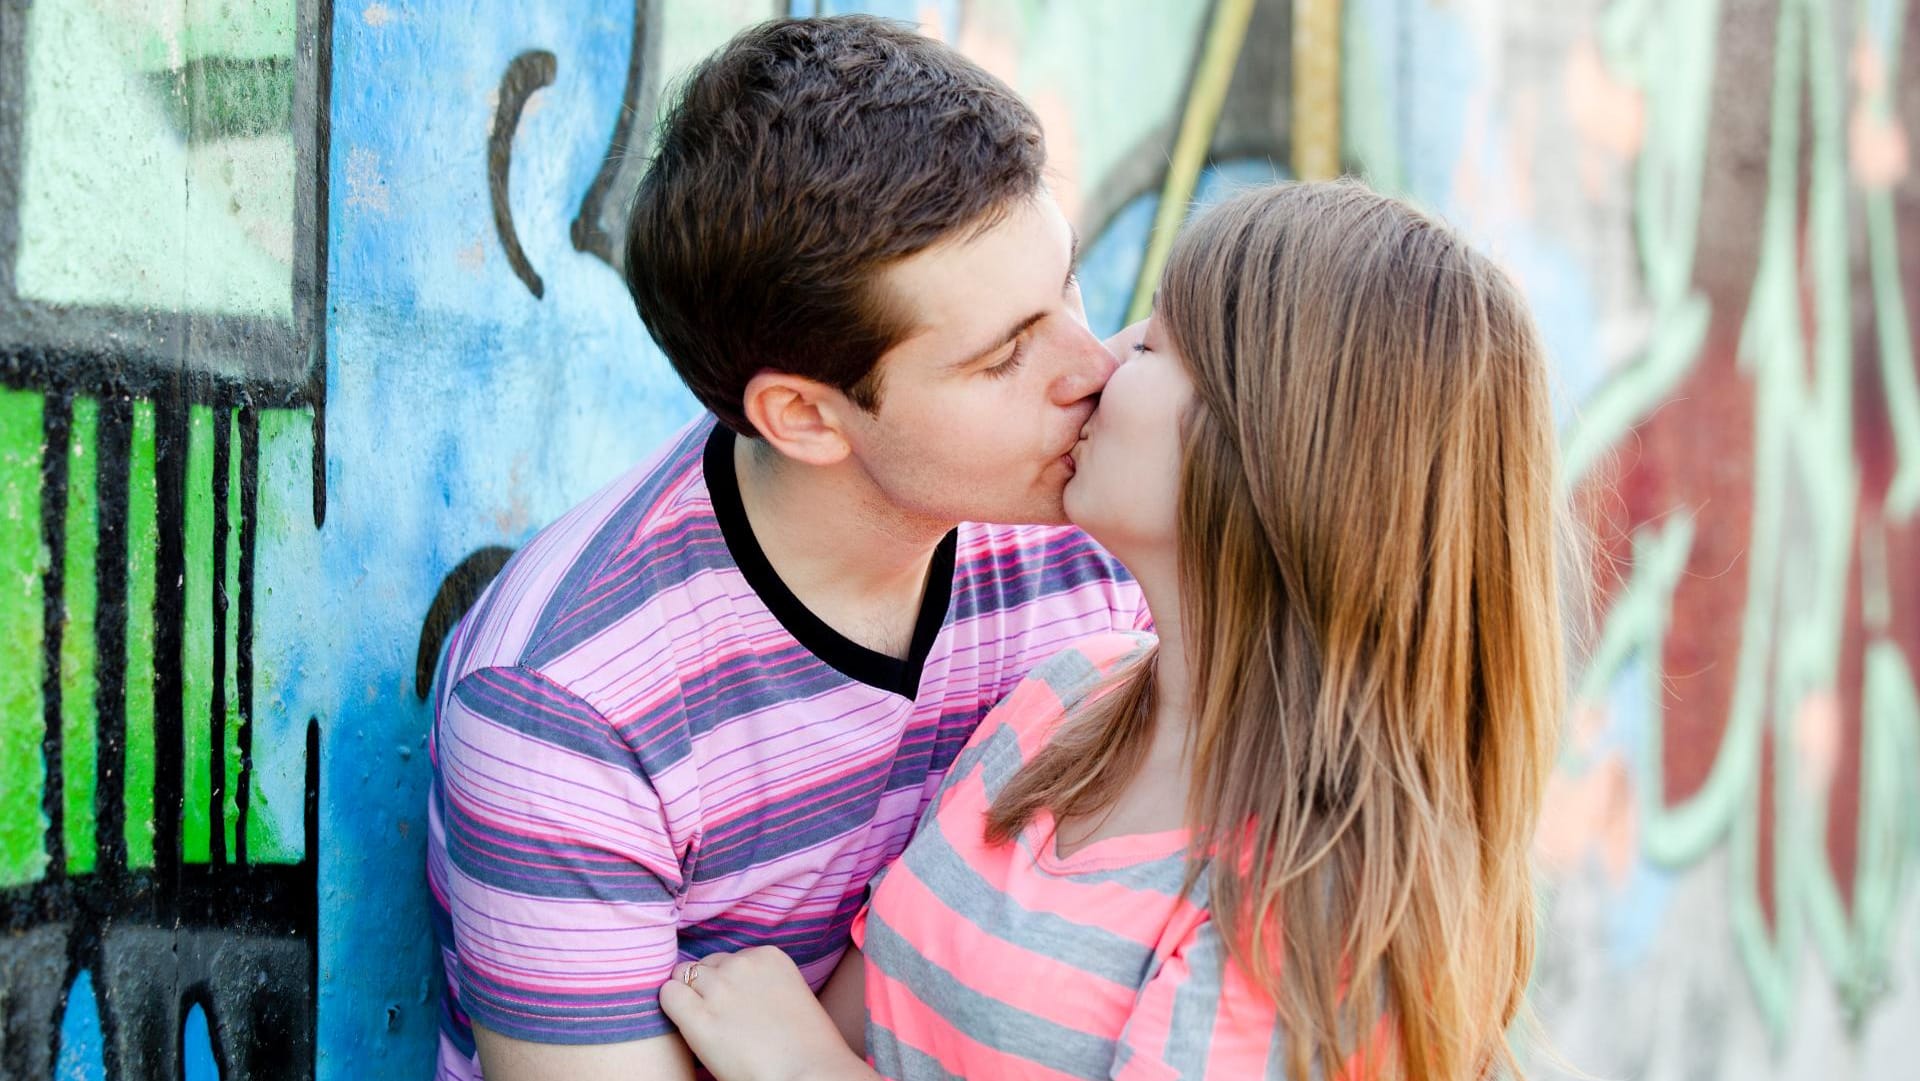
845,999
661,1058
560,876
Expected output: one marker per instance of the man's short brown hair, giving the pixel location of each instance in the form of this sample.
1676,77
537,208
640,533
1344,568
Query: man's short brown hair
797,163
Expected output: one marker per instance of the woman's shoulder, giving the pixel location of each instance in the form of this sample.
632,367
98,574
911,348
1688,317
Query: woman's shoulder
1084,664
1047,694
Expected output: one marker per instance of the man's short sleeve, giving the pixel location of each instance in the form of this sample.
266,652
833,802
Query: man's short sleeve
561,876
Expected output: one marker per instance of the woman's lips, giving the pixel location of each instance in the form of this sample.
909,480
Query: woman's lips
1072,456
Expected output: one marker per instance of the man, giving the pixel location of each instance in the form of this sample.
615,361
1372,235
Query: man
703,709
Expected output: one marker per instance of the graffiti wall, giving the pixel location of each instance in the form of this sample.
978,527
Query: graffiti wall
309,317
162,234
1715,208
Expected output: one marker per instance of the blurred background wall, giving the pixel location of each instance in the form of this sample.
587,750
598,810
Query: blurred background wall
309,316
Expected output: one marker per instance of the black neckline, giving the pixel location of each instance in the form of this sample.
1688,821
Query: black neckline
853,660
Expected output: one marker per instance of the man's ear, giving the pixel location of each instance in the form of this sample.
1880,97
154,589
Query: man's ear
799,417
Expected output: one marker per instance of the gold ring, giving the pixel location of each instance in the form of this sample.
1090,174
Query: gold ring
693,969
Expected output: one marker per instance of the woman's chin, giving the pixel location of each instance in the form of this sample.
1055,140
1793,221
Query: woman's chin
1115,525
1082,508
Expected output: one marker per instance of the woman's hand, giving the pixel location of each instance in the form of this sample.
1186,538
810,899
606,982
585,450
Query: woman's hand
749,1016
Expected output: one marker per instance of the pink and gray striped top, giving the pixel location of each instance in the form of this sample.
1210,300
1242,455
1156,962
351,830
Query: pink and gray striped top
645,749
1010,961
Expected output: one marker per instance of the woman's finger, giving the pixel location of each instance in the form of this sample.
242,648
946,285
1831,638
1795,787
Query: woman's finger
688,973
680,1003
719,959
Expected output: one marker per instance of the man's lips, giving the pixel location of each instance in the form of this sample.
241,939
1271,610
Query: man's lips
1072,455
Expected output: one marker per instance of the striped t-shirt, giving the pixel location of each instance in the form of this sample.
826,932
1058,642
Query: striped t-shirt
1007,961
646,749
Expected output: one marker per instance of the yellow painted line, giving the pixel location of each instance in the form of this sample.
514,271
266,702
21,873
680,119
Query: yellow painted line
1219,55
1316,89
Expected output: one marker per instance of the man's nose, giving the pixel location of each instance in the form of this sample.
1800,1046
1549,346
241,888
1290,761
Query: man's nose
1125,338
1092,365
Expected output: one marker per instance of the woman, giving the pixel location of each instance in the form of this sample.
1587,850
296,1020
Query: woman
1291,838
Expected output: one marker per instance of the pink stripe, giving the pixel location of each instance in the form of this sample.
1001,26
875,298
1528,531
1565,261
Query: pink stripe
1021,978
892,1006
628,823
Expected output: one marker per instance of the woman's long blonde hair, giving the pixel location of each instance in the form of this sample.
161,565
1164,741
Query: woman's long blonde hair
1368,533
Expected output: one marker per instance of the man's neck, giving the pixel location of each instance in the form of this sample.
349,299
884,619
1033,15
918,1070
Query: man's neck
854,560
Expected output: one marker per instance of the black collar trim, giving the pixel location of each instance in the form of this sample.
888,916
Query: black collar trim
850,658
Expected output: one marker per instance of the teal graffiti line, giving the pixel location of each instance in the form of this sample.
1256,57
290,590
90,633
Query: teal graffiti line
1806,493
1767,955
1889,827
1896,354
1669,52
1815,418
1802,448
1638,619
1631,396
1890,303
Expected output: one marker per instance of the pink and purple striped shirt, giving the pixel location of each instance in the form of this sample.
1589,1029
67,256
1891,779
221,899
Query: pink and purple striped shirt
645,749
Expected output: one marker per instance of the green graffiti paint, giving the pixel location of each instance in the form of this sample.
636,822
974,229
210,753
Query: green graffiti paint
254,30
78,720
283,535
229,803
196,643
107,153
222,97
23,774
1859,948
143,543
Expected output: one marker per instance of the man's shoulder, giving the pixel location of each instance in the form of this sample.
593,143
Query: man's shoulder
600,565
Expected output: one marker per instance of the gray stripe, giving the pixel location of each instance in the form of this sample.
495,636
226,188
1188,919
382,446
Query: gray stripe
1069,673
1072,675
984,1019
1092,950
896,1060
999,761
1000,754
1162,876
1196,1004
